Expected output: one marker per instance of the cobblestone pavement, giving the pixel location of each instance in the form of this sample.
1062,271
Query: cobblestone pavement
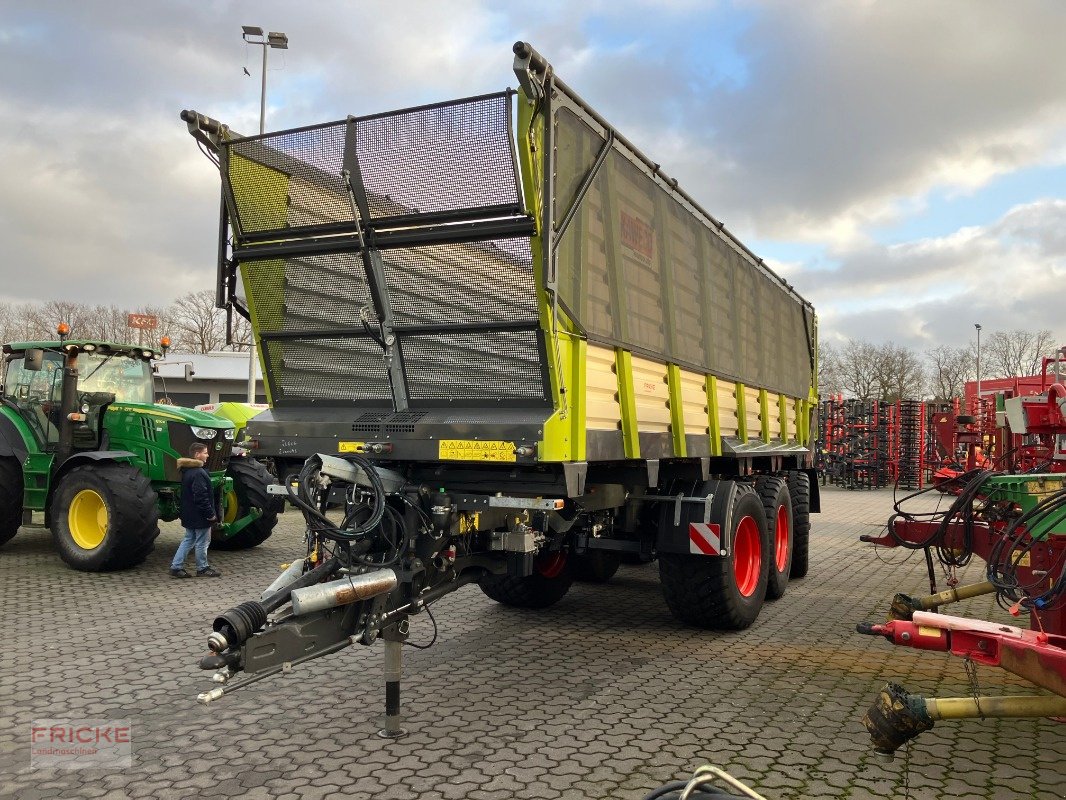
603,695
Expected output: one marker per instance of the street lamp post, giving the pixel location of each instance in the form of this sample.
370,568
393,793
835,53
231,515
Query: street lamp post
978,326
278,41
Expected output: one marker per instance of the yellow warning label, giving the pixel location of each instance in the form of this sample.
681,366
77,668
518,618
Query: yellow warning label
467,450
1024,560
351,447
925,630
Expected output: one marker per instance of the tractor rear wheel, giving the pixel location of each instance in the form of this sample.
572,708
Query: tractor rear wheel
799,486
104,517
250,481
594,566
723,592
777,503
550,581
10,497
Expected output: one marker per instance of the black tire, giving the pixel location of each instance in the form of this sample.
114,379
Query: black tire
799,484
777,503
703,590
250,481
533,591
112,502
594,566
10,498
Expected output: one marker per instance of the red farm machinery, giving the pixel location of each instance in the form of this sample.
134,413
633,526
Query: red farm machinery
1015,521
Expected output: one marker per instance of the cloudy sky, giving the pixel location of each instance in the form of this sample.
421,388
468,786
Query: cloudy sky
902,162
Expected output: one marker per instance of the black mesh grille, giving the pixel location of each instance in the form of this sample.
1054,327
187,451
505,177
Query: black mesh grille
483,282
464,314
370,422
403,421
441,159
290,180
326,291
310,293
330,369
461,365
438,159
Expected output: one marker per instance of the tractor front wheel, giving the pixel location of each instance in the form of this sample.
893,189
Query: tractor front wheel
250,481
10,497
104,517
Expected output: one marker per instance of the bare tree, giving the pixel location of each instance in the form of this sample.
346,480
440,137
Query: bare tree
19,323
1014,353
828,370
900,374
949,369
242,333
199,327
858,369
47,316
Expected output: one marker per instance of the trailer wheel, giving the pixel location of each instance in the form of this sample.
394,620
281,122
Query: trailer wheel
777,503
799,484
104,517
250,481
727,592
10,498
594,566
550,581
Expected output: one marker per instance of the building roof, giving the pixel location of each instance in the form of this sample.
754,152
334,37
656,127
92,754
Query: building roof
225,366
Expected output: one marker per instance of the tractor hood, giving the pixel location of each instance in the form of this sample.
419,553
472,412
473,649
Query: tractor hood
165,433
199,419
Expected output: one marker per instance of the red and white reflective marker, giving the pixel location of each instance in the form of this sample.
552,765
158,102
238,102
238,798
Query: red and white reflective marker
705,538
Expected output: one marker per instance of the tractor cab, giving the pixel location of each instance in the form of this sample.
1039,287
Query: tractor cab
33,384
82,440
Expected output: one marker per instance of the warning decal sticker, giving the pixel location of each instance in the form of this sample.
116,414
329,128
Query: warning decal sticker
705,538
471,450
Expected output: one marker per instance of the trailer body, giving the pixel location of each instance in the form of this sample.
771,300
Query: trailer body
531,345
580,308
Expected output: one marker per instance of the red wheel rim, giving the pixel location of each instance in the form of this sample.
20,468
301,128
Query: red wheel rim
781,539
747,556
551,565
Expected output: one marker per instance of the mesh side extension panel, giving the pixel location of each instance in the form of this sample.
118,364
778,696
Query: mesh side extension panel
483,282
313,292
442,158
290,179
330,369
326,291
473,366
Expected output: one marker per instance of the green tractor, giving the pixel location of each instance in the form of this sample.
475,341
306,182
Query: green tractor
82,442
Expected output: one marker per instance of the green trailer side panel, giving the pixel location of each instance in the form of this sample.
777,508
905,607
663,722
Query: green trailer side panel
660,278
764,414
677,411
627,400
715,426
742,413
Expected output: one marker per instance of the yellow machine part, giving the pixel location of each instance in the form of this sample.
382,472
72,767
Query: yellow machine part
635,395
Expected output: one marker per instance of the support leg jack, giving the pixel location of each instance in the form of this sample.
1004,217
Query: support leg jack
393,673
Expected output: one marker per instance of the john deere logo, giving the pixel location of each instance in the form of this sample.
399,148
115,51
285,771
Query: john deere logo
218,445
